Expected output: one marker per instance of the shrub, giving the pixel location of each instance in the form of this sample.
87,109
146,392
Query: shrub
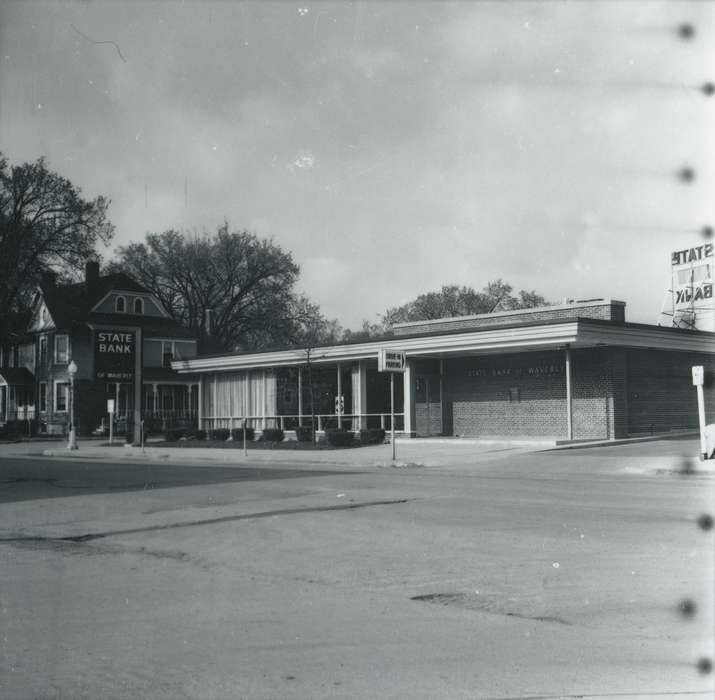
219,434
304,433
200,434
372,436
273,435
237,434
340,437
173,434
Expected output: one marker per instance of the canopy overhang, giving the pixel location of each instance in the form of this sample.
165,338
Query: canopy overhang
578,333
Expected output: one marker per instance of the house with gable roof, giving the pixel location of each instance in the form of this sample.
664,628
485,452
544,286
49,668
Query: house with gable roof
67,323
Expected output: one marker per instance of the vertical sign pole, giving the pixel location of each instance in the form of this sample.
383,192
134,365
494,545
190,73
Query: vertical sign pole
701,420
111,427
392,413
245,407
698,381
138,388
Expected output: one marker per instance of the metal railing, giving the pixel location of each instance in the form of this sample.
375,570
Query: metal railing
323,421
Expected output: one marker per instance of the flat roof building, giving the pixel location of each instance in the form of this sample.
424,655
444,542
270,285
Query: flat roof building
573,371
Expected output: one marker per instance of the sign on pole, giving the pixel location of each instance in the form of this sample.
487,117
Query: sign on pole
698,381
391,361
114,355
110,406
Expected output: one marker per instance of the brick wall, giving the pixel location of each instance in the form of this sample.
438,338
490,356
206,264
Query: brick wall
660,392
481,401
604,310
525,395
598,398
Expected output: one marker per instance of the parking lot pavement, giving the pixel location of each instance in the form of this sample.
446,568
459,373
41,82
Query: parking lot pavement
548,575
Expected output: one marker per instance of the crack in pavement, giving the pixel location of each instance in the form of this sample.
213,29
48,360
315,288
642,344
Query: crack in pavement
210,521
484,604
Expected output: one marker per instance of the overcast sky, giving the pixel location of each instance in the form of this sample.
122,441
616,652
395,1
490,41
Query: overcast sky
392,147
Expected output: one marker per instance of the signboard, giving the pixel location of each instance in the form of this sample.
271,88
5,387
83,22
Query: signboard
391,361
110,406
698,375
692,276
114,355
339,405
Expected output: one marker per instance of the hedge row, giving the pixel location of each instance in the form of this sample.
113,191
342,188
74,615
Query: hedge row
338,437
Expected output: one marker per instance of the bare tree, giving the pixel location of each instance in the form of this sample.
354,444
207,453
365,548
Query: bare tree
45,224
246,283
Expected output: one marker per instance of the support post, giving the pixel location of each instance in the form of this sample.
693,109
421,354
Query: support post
265,397
701,422
408,392
138,381
214,424
569,395
340,393
392,413
359,377
200,401
300,396
155,399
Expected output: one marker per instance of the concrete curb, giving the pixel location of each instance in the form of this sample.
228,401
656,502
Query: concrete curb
621,441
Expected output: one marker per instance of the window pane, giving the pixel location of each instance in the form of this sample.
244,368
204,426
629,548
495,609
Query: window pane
62,394
61,348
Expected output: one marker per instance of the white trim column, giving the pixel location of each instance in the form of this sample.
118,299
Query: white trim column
569,395
264,391
340,393
300,396
408,393
155,399
189,391
200,401
359,407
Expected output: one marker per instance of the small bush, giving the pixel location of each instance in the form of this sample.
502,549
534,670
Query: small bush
304,433
200,434
219,434
173,434
372,436
273,435
237,434
339,437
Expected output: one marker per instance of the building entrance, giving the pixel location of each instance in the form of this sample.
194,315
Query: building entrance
428,405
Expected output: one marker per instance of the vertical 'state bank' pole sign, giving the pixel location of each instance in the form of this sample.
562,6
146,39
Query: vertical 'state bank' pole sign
114,355
391,361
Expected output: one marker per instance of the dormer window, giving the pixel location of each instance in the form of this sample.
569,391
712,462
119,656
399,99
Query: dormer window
120,305
138,306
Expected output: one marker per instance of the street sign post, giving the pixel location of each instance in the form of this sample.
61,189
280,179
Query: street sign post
698,381
110,411
391,361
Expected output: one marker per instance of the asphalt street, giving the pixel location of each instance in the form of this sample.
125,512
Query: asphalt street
553,575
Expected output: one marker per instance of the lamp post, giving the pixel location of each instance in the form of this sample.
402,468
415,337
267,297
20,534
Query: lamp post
72,443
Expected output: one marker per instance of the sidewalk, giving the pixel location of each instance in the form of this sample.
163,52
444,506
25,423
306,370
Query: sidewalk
413,453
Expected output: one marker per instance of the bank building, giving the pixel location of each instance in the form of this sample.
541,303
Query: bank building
573,371
578,370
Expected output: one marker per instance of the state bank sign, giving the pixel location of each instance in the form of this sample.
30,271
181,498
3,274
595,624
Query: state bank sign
114,355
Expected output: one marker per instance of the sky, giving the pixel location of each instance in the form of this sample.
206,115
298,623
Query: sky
391,147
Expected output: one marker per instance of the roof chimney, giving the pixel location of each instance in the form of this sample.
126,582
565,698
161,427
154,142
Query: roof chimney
91,275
